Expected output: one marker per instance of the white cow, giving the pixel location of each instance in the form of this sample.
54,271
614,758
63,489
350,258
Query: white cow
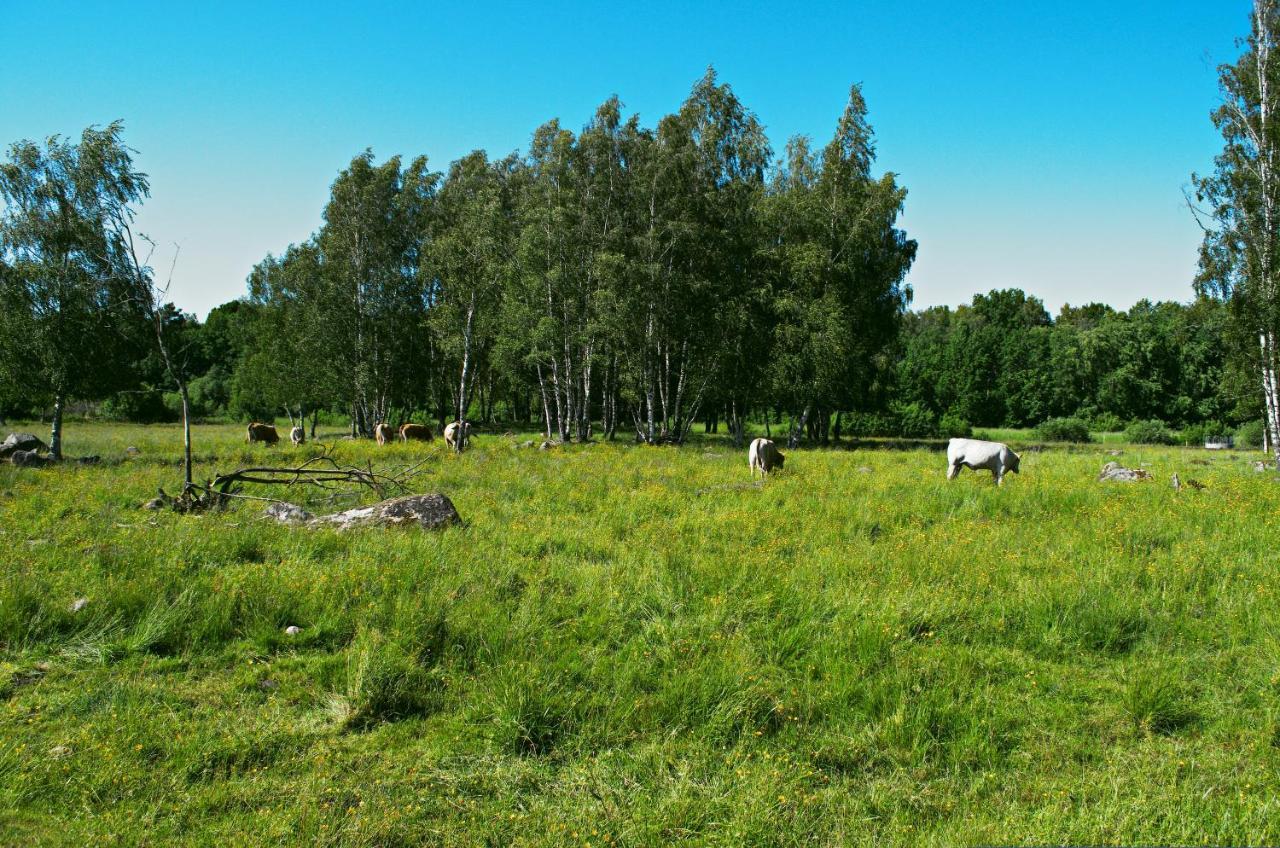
457,435
297,435
975,453
764,456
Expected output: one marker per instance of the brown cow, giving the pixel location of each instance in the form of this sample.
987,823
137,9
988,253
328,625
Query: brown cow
764,456
415,432
382,432
262,433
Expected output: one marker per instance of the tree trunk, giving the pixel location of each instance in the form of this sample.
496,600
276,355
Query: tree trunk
55,430
1271,401
546,406
463,382
186,434
798,430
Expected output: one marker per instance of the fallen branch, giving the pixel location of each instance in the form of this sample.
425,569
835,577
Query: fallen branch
321,471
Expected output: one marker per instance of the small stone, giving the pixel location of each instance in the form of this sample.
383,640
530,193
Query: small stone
154,503
864,470
528,444
1259,465
268,685
286,513
57,752
292,630
132,451
79,604
546,446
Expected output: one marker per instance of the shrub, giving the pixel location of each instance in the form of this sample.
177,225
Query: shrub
1249,434
1153,432
1198,434
871,424
1063,430
1105,422
915,421
953,426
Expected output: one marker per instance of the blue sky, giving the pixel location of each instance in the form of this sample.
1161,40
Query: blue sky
1044,145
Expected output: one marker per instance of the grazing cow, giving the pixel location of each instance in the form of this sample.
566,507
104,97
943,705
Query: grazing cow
764,456
457,435
297,435
262,433
975,453
415,432
382,432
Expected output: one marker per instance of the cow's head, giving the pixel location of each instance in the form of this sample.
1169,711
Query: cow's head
1013,466
782,459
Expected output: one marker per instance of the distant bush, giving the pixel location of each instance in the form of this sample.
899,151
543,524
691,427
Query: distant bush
141,407
1198,434
953,426
1105,422
1063,430
1249,434
915,421
1153,432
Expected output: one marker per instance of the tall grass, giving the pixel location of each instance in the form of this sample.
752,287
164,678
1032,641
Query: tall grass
639,646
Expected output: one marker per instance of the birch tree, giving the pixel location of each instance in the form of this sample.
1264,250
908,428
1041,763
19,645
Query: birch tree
1238,258
70,304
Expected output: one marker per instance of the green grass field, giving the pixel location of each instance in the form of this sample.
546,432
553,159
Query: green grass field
638,646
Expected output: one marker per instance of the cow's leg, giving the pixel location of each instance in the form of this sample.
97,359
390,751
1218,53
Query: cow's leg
997,473
953,470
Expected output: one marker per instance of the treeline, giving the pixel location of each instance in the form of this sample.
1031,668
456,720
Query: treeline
1003,361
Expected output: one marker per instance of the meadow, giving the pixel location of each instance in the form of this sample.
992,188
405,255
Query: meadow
632,646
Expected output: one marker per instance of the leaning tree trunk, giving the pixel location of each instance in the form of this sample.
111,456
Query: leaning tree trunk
798,431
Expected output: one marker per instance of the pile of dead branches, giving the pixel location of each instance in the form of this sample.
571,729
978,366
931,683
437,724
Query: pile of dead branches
321,471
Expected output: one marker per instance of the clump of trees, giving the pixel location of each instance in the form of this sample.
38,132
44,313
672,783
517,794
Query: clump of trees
627,277
1002,361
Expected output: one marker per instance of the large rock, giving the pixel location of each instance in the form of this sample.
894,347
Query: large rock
1115,472
426,511
23,442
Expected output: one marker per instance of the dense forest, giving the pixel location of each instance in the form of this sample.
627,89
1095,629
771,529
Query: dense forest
619,281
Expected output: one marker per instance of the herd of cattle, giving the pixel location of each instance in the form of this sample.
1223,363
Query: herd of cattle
763,455
453,434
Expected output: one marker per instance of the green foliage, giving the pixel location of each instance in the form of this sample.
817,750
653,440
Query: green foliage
952,426
1153,432
1063,430
1250,434
1198,434
914,421
1105,422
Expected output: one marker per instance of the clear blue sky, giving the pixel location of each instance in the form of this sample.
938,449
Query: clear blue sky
1044,144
